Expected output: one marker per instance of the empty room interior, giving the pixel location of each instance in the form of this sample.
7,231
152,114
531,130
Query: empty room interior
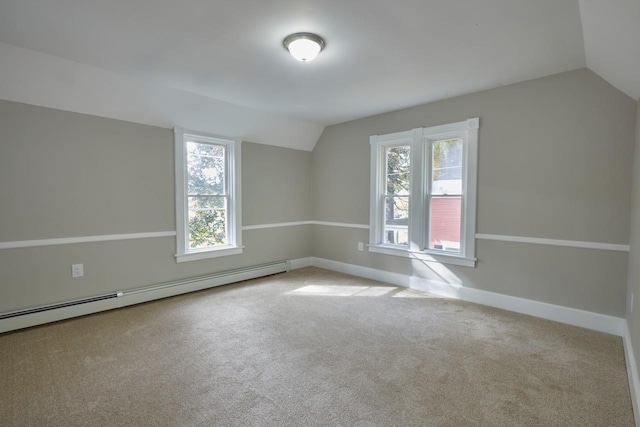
359,213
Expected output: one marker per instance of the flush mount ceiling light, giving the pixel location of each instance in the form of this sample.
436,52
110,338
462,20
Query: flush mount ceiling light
304,46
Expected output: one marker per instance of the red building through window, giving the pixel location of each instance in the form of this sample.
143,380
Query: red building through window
445,223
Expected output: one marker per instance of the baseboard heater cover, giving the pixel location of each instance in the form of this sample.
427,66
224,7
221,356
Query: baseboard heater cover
50,313
163,290
56,306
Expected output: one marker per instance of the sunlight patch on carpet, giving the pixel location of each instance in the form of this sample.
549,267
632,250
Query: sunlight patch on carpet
361,291
343,291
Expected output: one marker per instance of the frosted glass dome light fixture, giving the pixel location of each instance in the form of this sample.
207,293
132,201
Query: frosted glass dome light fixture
304,46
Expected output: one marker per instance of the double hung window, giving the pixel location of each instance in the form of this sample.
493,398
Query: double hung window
423,193
207,196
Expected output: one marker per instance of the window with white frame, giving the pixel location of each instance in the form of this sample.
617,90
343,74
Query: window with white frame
423,193
208,212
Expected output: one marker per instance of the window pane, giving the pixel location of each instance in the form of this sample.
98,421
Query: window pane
446,215
396,224
205,168
207,218
398,170
446,166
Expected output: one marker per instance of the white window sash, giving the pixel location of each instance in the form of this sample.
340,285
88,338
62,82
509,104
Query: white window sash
429,139
380,143
421,196
232,194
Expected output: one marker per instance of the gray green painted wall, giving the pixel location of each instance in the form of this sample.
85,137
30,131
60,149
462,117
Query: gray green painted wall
555,161
633,318
65,174
276,184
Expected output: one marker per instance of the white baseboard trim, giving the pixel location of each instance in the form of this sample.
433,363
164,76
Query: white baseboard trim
140,295
585,319
34,319
366,272
582,318
595,321
301,263
632,373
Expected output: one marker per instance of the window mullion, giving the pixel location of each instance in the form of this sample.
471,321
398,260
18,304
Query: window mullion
428,166
416,204
381,191
470,186
432,208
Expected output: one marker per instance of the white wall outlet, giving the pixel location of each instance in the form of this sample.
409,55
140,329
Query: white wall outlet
77,270
360,246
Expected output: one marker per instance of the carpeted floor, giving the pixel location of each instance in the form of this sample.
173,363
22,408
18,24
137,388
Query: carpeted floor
311,348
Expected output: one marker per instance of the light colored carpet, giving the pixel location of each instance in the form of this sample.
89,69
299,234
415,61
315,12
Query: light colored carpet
310,348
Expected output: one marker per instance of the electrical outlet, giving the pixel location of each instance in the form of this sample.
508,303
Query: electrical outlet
360,246
77,270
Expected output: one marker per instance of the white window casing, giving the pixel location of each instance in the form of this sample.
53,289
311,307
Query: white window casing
421,140
231,194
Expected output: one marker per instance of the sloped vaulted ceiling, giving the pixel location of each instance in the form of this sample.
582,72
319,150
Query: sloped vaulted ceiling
612,41
220,67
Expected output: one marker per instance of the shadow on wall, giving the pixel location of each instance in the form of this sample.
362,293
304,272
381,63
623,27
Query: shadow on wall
435,277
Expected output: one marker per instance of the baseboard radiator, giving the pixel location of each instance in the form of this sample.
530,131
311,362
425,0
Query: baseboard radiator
64,310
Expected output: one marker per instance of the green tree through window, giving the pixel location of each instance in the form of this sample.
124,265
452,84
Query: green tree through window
208,196
207,200
398,195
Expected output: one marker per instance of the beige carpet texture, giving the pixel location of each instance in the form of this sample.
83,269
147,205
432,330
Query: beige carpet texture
311,348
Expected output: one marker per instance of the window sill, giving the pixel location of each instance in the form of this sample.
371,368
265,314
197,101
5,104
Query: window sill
439,258
209,253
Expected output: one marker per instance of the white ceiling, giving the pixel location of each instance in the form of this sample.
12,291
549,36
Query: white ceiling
219,65
612,41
